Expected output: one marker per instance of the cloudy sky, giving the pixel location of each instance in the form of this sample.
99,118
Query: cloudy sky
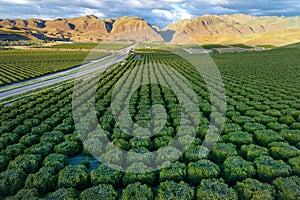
156,12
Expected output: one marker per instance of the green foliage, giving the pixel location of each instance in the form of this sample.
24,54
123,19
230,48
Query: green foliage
62,193
137,191
202,169
221,151
287,188
14,150
254,189
167,155
288,120
41,129
274,113
275,126
239,138
93,45
244,46
265,137
251,127
195,152
11,181
44,180
292,136
106,175
72,138
73,176
53,137
242,119
93,146
295,165
22,62
29,139
138,142
43,149
237,169
68,148
282,150
113,156
24,194
175,191
21,130
252,151
254,109
269,169
176,172
162,141
103,192
56,161
9,139
26,162
4,161
138,172
139,155
64,128
231,127
265,119
215,189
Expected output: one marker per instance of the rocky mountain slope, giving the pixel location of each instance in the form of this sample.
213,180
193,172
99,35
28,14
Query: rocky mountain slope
237,25
204,29
82,29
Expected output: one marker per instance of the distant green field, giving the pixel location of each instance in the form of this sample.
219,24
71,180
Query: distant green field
241,46
19,65
93,45
267,46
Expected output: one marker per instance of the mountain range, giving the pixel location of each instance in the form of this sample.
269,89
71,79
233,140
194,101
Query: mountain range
206,29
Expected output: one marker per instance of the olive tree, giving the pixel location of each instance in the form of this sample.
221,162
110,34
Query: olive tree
26,162
106,175
282,150
138,173
252,151
56,161
73,176
202,169
295,165
103,192
11,181
237,169
175,191
215,189
265,137
287,188
254,189
31,194
44,180
63,193
68,148
269,169
221,151
42,148
176,172
137,191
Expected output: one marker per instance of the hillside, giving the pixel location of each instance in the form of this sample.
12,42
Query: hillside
238,28
225,29
81,29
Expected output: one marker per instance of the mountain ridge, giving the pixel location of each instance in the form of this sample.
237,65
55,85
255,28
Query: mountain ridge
90,28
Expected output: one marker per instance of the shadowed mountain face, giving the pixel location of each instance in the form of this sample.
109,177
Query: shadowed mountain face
203,29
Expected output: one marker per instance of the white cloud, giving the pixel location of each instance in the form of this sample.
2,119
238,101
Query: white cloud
163,13
159,12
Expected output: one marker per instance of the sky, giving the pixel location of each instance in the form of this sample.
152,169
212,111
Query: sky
156,12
